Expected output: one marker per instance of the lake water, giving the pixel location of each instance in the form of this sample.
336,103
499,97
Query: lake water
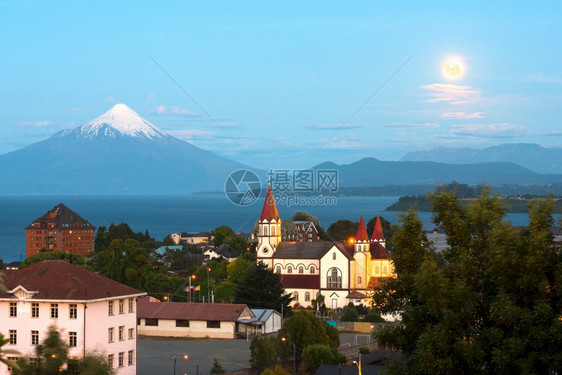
163,215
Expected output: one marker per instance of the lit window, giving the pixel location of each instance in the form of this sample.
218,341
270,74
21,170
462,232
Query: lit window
72,340
54,310
13,309
384,270
73,311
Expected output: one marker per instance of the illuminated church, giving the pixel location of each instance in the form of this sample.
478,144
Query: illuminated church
342,272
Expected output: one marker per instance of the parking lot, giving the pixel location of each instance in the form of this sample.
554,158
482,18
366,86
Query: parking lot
155,355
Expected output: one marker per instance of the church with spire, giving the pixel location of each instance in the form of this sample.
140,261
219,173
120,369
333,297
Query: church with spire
342,272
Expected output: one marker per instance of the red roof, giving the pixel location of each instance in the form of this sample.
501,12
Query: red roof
378,251
378,235
300,281
191,311
362,235
60,280
269,210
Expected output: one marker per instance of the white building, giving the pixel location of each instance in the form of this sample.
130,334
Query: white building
92,312
342,272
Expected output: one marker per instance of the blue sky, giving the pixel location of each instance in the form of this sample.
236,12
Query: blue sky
281,78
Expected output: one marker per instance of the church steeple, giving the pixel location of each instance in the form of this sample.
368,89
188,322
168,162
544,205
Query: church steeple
378,235
362,236
269,210
269,229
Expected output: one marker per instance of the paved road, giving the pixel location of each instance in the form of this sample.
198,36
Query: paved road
155,355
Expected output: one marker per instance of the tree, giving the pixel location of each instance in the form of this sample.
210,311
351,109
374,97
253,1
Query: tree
490,303
263,352
217,367
278,370
261,288
317,354
349,313
222,234
48,255
52,354
342,230
2,265
4,341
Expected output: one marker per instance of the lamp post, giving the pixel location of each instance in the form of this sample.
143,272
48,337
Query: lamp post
185,356
190,291
358,363
284,339
208,287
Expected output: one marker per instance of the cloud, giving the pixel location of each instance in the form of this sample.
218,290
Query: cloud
35,124
454,94
333,127
463,115
408,125
150,97
174,111
502,130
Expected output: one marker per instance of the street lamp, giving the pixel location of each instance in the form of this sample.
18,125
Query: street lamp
208,287
185,356
284,339
358,363
190,291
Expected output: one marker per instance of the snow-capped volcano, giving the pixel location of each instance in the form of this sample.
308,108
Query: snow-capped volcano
120,120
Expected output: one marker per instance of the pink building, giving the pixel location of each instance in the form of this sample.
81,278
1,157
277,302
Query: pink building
92,312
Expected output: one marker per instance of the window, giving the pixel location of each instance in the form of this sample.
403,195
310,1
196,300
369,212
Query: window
376,270
34,337
110,307
73,311
307,296
182,323
312,269
110,334
213,324
333,278
121,333
121,359
358,279
54,310
35,310
131,333
151,322
131,305
121,306
13,336
110,360
131,357
296,296
278,269
301,269
13,360
334,256
72,341
13,309
289,269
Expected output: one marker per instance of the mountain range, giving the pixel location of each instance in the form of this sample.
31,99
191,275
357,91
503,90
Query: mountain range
528,155
120,152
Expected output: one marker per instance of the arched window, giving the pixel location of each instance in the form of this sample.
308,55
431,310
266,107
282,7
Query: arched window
273,231
301,269
358,279
385,270
289,269
377,270
333,280
312,269
278,269
265,231
307,296
334,256
296,296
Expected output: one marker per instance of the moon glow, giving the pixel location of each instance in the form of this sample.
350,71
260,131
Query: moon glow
452,69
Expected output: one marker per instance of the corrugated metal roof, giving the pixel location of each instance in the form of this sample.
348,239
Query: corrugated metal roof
192,311
59,280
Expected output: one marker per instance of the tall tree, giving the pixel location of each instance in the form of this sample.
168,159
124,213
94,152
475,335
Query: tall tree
490,303
342,230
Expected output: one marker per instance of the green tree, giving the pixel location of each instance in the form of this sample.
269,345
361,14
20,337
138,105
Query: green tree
50,255
261,288
217,367
4,353
349,313
317,354
278,370
52,354
490,303
263,352
2,265
342,230
222,234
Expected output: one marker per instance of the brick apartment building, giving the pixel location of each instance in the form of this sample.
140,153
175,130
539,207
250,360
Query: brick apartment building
60,229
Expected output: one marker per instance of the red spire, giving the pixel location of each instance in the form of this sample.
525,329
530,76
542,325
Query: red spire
269,210
378,235
362,235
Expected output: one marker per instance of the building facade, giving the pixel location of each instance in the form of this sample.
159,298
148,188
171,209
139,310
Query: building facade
93,314
60,229
341,272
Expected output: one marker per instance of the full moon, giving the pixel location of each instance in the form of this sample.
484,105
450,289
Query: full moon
452,69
